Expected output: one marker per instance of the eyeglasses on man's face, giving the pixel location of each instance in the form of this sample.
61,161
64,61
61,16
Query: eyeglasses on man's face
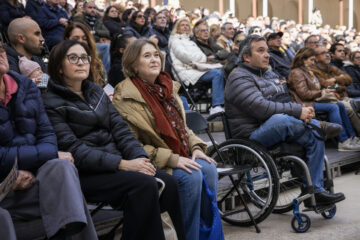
74,59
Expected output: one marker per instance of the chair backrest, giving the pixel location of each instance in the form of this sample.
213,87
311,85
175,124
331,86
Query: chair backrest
195,121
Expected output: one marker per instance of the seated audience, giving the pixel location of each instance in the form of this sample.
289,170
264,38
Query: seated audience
213,52
226,38
79,32
149,102
162,33
186,55
112,165
112,21
287,46
26,40
312,41
353,70
90,18
254,113
9,10
233,57
306,89
46,178
331,76
138,27
279,61
337,52
52,21
117,49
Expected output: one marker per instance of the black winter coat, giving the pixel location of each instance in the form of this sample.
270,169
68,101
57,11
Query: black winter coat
13,58
116,73
353,89
212,49
114,26
280,63
25,130
144,32
91,129
163,36
8,13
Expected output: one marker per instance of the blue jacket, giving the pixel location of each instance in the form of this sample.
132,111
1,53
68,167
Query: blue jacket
48,19
9,13
25,130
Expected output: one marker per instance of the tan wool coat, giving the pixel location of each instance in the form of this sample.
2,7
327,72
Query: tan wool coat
133,108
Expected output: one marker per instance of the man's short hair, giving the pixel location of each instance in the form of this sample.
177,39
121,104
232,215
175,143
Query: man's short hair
197,24
245,46
334,46
223,27
87,3
311,36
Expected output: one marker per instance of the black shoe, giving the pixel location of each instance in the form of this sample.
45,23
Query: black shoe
331,129
326,198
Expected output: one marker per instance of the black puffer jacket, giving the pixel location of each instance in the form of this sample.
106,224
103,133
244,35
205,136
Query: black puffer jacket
248,99
92,130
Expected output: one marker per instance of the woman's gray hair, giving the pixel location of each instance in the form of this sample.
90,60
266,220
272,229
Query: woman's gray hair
245,46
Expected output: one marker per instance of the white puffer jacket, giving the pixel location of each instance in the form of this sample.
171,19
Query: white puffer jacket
183,53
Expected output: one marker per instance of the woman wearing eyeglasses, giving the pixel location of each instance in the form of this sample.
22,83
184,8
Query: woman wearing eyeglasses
113,167
138,27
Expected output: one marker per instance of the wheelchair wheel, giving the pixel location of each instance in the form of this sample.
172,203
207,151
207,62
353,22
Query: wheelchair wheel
301,226
330,213
259,186
290,186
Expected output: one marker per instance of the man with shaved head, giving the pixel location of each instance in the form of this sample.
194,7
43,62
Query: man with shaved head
26,40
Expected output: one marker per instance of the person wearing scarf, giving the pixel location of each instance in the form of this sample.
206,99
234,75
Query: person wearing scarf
149,102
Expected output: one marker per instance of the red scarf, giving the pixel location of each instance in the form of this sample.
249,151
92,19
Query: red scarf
167,112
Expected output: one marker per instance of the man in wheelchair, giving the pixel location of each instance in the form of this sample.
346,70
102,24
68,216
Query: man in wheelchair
255,108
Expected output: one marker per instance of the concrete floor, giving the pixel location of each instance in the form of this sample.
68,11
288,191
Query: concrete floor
344,226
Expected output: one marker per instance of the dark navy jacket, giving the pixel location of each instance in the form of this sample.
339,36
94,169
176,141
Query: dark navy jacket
9,13
279,63
48,17
25,130
353,89
91,129
13,59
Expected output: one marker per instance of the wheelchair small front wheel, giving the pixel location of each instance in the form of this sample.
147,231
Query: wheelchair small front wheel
329,213
302,224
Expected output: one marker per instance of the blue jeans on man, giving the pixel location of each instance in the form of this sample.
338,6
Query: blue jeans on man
191,194
337,114
216,78
280,127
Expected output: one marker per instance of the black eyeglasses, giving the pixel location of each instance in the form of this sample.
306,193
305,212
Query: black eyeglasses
74,59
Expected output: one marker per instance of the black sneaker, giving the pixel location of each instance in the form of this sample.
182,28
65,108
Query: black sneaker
326,198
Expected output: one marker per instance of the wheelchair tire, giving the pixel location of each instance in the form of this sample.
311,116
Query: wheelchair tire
259,187
290,187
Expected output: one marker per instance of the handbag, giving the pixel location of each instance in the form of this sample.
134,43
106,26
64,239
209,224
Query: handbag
327,97
210,230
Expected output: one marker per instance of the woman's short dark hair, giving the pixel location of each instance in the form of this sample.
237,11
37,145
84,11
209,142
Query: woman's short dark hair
120,41
301,56
134,24
57,56
106,13
132,54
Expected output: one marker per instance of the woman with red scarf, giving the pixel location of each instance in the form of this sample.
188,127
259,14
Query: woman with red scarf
149,102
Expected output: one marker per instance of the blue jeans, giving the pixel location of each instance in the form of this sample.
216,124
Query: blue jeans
216,77
185,103
337,114
103,50
190,192
280,127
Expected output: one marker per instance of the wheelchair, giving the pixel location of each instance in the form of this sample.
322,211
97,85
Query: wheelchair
254,181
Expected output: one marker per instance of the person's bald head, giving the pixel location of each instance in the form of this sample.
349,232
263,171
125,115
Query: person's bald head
25,33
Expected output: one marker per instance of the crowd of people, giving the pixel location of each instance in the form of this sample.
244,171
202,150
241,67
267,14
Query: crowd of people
272,77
